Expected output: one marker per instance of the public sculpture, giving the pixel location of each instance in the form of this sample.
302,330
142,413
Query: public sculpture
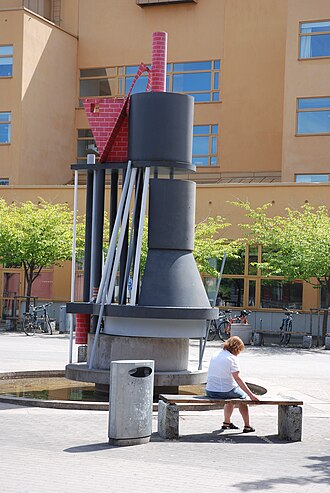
145,134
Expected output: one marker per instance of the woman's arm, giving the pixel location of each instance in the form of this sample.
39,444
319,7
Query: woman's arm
243,386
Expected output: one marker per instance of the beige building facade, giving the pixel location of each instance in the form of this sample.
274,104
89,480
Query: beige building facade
258,71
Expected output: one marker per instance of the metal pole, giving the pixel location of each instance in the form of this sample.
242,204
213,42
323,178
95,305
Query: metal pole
123,260
121,237
139,237
88,229
202,343
132,240
104,296
73,265
112,246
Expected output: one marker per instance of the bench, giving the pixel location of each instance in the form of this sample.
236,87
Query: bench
258,336
289,413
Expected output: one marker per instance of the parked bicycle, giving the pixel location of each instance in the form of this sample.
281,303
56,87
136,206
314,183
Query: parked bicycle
221,327
286,327
37,320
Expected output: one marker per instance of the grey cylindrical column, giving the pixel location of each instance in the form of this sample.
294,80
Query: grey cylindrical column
131,401
160,127
171,277
172,214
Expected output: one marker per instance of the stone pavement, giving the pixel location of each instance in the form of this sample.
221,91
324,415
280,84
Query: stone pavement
52,450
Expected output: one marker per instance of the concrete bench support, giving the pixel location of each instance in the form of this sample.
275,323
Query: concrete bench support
168,420
290,423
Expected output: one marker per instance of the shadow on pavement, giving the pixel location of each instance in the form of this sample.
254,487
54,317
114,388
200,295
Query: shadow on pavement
318,475
91,447
217,436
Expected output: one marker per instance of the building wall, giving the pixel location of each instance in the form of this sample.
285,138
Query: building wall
253,86
11,29
48,83
304,78
41,96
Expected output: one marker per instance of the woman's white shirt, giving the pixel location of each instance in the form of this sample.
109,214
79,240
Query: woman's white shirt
222,365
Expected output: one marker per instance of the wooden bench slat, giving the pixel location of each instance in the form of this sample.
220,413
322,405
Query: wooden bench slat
198,399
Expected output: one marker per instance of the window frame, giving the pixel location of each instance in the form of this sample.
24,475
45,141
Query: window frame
11,55
83,159
318,33
211,135
122,73
8,123
309,110
312,174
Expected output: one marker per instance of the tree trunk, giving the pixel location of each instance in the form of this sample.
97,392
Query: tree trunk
326,311
28,292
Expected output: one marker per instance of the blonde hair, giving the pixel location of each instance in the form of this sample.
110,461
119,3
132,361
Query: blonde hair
234,345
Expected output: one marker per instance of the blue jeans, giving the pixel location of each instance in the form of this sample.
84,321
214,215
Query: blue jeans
235,393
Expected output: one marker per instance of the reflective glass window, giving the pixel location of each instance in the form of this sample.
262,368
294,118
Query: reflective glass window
317,178
314,39
192,82
198,79
85,145
139,86
313,116
205,145
5,127
281,294
6,61
252,293
231,292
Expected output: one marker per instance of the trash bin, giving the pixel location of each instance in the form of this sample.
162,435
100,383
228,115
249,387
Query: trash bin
131,402
243,331
63,325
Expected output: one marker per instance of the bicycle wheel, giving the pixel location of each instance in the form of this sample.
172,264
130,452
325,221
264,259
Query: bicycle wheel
212,331
48,326
224,330
28,326
286,329
288,332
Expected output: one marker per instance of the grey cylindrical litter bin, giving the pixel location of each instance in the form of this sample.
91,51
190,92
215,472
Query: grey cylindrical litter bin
131,402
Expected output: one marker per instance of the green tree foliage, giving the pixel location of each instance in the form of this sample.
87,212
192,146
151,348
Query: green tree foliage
36,236
211,244
296,245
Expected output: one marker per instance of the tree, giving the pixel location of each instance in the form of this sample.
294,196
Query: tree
295,246
210,244
36,236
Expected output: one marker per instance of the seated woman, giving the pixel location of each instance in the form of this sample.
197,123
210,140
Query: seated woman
224,382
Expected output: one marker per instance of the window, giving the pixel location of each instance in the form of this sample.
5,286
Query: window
313,116
85,145
205,145
6,61
314,39
312,178
4,181
5,124
198,79
145,3
279,294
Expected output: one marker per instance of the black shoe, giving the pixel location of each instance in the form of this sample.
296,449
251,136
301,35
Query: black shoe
248,429
229,426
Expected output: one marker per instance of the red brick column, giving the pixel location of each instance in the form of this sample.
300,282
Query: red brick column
159,60
82,328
